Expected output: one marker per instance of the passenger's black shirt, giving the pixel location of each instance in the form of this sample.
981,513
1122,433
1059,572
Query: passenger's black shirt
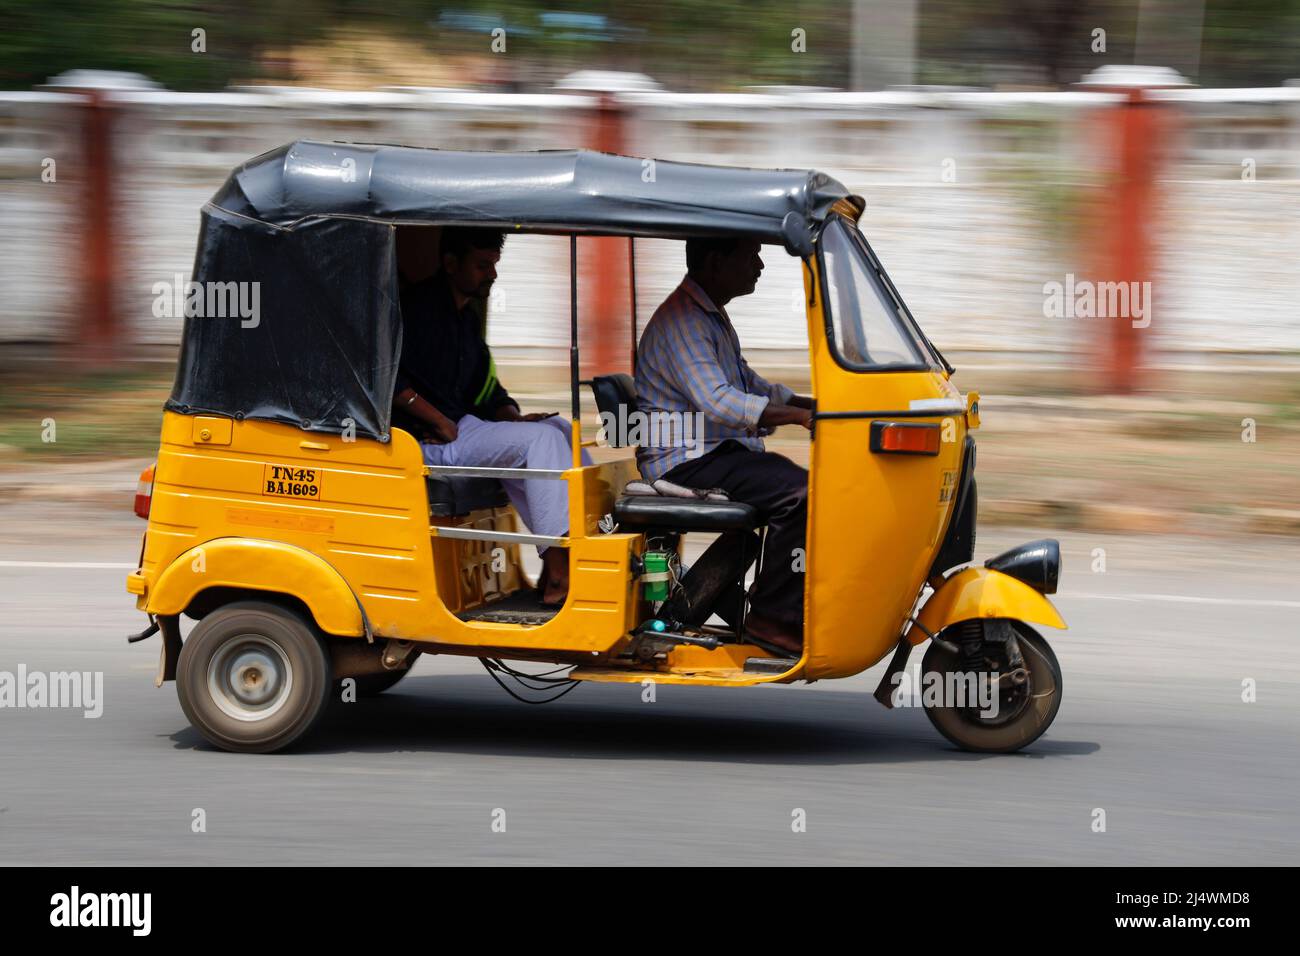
444,357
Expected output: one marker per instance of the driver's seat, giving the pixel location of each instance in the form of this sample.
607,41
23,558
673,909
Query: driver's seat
653,513
715,583
616,398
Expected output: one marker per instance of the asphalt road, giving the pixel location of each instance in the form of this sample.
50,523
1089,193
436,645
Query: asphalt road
1152,729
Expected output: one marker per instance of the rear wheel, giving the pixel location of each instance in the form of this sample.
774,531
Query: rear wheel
253,677
1028,692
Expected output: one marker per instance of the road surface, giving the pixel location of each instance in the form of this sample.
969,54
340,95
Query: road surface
1152,730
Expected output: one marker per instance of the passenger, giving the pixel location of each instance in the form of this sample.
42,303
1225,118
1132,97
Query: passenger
448,394
689,360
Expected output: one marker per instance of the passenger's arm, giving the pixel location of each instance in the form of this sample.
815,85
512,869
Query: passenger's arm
504,408
494,402
409,401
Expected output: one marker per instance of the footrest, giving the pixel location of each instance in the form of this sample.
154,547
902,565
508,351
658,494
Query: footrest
769,665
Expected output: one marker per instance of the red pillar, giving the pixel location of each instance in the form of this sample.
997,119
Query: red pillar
1134,134
98,328
603,261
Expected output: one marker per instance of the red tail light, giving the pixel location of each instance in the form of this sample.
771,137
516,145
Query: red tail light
144,492
905,438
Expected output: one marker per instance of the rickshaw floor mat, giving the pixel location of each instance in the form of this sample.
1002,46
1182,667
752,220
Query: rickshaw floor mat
520,607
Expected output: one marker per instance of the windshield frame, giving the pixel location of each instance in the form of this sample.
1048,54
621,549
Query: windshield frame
933,359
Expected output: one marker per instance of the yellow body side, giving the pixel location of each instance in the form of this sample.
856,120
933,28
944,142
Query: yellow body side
335,523
875,521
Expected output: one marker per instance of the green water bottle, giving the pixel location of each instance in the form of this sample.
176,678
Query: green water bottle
655,576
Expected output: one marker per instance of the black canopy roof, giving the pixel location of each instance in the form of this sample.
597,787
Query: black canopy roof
563,190
305,233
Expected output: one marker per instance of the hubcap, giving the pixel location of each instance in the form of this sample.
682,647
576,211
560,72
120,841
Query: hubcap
250,678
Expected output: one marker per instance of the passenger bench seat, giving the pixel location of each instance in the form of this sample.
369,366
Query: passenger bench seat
451,496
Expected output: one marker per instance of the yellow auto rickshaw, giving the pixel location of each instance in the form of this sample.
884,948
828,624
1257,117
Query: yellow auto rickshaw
312,545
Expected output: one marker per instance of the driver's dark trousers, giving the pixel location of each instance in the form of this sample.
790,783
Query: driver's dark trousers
778,488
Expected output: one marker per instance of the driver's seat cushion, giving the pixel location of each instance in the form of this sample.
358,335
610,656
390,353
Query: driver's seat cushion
653,512
451,496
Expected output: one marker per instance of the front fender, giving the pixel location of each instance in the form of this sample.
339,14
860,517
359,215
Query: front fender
262,566
980,593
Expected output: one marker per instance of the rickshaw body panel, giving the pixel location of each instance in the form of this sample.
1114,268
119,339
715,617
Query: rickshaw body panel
353,531
983,593
363,512
875,521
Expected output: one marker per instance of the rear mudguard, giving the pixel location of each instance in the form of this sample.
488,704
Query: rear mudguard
979,593
260,566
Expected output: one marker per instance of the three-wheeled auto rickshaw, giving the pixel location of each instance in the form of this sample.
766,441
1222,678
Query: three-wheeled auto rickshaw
312,544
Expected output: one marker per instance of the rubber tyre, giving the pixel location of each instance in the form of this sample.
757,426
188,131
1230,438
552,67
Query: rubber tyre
968,732
251,638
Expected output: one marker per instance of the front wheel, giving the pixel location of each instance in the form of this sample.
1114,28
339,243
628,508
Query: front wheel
1027,692
253,677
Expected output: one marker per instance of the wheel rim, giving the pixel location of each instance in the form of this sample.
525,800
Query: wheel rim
1013,699
250,678
1012,703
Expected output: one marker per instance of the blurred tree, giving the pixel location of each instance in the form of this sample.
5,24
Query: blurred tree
1022,42
1250,42
1244,42
684,44
152,37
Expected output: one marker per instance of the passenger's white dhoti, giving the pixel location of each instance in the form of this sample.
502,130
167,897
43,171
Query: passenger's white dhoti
542,503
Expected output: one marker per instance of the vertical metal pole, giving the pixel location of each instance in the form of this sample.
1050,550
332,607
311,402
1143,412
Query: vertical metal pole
575,409
631,282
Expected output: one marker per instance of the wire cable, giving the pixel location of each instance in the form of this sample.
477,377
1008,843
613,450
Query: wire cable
495,668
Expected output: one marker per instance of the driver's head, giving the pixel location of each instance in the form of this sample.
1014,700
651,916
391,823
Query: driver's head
469,259
726,266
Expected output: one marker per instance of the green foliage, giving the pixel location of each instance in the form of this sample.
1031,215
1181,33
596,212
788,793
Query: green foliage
685,44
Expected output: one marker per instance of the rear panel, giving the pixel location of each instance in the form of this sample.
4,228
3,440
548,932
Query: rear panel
360,505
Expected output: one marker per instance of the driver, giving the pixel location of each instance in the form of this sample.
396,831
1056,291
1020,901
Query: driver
689,361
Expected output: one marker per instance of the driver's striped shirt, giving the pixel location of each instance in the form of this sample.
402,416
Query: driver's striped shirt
689,360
